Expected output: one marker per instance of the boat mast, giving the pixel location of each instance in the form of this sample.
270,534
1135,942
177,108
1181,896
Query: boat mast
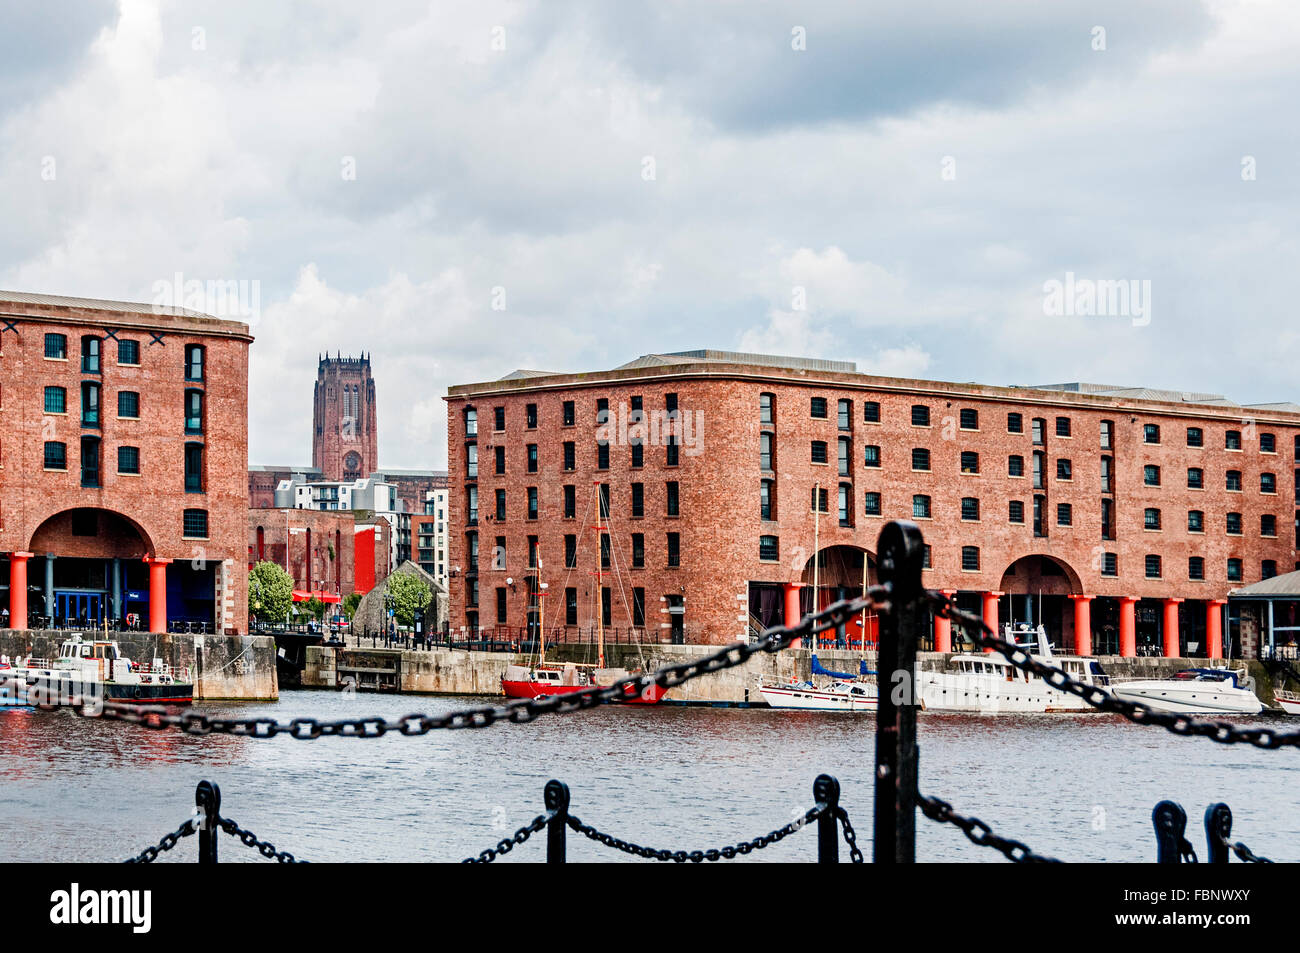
817,523
600,589
863,634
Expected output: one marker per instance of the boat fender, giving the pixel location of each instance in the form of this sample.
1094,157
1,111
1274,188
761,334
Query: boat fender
138,692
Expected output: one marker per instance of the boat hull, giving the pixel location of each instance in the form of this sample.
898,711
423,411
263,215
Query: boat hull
992,695
528,689
1193,699
1287,702
815,699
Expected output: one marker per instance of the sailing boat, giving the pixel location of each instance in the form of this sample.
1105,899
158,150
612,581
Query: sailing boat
521,682
845,692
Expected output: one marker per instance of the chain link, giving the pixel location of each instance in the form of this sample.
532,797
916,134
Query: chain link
509,844
1221,731
979,833
249,839
518,712
150,854
1244,853
850,836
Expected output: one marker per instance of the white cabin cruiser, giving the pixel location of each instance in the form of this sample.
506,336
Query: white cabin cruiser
98,669
1194,691
840,692
988,684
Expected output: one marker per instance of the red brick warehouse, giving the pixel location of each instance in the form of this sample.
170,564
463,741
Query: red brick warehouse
123,463
1120,518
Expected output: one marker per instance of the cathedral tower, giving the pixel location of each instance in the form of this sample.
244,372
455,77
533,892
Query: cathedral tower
345,440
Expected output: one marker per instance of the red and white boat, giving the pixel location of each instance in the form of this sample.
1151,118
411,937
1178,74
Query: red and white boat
1289,702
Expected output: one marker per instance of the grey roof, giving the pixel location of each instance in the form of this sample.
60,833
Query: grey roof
1285,405
708,355
521,374
1285,586
1140,393
260,468
130,307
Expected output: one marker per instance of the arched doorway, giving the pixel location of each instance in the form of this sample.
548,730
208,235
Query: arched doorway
88,567
840,572
1036,590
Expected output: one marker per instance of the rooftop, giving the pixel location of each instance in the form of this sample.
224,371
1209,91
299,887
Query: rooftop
131,313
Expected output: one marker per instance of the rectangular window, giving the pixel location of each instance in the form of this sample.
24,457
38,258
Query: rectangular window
1107,519
1234,570
471,423
471,504
970,558
766,408
1195,521
674,549
498,418
570,606
1151,433
845,506
56,347
871,456
1109,564
638,607
970,508
1151,475
1268,569
674,504
128,460
501,505
769,548
1015,465
128,351
1232,440
1107,435
1195,437
638,454
1153,567
920,459
602,500
765,441
1015,423
128,405
765,493
499,554
568,414
638,550
56,455
1038,431
1064,470
870,412
820,500
570,551
670,404
845,452
89,404
194,524
1195,567
605,550
1016,511
872,504
193,411
638,500
1268,525
501,605
194,362
90,355
602,456
1234,524
672,451
1267,483
1040,523
500,454
819,451
818,409
844,414
920,415
1151,518
1039,462
970,461
969,418
1267,443
194,482
570,501
532,502
532,458
56,400
1063,426
1064,514
1195,478
530,416
1234,480
920,507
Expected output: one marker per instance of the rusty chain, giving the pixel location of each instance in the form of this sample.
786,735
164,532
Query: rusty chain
1221,731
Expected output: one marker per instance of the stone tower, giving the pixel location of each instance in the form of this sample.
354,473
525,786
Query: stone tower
345,439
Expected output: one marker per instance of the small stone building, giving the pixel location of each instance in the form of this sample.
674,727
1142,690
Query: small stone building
370,611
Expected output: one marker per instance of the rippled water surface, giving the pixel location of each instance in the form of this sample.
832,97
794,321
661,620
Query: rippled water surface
1076,786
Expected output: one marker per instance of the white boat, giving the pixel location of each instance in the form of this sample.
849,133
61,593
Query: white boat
835,696
98,669
1194,691
988,684
1289,702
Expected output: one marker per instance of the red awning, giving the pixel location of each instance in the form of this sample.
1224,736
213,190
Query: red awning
302,595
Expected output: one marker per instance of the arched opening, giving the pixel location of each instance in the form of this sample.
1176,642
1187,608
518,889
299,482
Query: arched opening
1036,591
840,572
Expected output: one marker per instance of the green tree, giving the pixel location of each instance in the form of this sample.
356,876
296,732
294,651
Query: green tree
409,593
270,592
314,608
350,603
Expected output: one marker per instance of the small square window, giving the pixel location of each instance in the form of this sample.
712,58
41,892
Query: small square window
1151,433
872,504
1063,426
920,415
870,412
819,407
1015,423
128,351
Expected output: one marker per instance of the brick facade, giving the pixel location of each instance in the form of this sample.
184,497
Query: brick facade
719,478
47,398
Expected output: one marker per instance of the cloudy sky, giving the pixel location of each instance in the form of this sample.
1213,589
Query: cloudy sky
883,182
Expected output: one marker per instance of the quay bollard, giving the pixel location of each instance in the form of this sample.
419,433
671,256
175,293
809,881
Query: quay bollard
1218,828
208,798
556,796
826,791
1170,821
899,562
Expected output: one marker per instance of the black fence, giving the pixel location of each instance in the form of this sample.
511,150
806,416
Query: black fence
904,608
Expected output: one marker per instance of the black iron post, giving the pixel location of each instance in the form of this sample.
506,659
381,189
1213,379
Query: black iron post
556,795
1218,828
208,798
826,792
1170,821
900,556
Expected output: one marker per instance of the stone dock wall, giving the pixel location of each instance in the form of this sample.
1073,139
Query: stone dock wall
226,667
459,672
